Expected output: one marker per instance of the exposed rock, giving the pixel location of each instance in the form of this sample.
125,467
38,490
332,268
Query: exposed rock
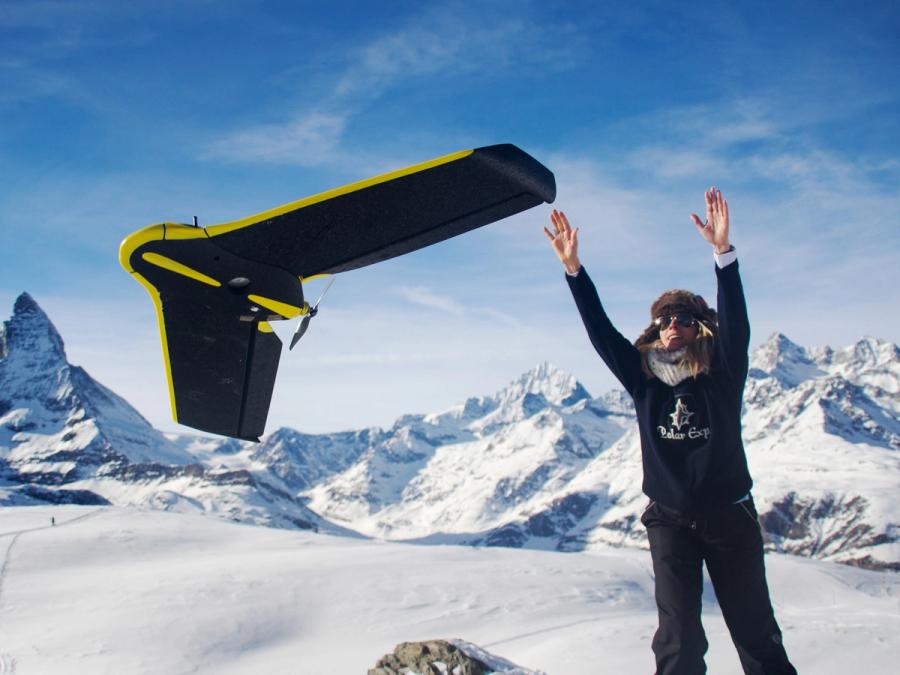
830,526
444,657
434,656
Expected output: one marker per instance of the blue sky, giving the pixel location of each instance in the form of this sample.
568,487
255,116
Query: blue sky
114,116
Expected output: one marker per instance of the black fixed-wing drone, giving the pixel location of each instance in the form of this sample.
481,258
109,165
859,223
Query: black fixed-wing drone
217,288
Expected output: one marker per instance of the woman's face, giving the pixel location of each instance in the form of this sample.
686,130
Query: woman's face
674,334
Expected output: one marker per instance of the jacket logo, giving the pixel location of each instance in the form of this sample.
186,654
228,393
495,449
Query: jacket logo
681,416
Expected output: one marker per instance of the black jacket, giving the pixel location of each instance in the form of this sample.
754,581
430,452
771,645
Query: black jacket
691,445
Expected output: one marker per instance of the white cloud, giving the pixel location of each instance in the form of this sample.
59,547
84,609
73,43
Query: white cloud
439,42
308,140
818,230
425,297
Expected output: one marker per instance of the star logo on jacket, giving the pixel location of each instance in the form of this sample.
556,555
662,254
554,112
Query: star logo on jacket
682,416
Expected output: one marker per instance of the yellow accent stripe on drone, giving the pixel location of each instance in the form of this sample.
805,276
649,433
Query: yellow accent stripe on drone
157,302
129,245
215,230
303,280
178,268
282,308
265,327
160,232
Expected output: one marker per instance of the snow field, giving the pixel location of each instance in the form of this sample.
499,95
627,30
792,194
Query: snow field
128,591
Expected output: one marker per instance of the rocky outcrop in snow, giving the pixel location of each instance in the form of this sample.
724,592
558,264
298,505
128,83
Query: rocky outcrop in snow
454,657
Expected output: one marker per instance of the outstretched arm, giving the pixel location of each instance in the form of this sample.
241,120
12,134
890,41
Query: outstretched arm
619,354
734,326
715,229
564,241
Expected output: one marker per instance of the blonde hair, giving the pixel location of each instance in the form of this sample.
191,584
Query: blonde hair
698,355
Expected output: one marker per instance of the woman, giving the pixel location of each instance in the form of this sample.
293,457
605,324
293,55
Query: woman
686,374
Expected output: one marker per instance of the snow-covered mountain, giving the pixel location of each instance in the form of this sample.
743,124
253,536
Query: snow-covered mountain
66,438
501,470
539,464
543,465
822,429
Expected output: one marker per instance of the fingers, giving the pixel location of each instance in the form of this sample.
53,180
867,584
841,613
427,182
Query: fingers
702,228
560,222
716,206
561,226
562,234
554,219
714,198
564,240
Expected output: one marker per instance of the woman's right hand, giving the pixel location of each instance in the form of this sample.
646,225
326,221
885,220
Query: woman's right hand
564,241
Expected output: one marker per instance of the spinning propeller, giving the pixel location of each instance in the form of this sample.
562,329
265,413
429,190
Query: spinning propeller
304,323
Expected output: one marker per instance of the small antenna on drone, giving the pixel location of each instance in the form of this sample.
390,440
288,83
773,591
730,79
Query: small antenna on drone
196,224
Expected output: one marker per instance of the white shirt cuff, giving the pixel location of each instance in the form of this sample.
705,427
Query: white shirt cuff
725,259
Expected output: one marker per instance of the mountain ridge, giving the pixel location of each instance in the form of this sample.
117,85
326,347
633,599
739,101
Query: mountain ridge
538,464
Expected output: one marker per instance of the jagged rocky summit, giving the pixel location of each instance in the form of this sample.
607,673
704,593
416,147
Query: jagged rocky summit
539,464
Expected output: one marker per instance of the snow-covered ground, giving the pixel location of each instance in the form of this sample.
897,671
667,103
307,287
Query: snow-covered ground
110,590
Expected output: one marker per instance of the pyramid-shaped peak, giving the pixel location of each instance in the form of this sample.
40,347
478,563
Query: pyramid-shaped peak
30,331
782,343
779,346
25,304
784,360
555,385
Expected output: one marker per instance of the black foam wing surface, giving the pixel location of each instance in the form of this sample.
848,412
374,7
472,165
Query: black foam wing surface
217,288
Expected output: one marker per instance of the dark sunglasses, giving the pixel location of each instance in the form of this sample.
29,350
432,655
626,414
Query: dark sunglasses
682,319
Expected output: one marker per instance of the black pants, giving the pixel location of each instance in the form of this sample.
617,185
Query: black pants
729,540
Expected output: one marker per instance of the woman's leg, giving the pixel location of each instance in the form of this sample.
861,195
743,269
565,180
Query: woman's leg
679,643
733,548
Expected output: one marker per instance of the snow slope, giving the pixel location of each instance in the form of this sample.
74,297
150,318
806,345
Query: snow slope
115,591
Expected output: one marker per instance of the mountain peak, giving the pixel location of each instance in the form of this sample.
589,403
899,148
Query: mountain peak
30,332
873,351
25,303
870,361
784,360
782,342
555,385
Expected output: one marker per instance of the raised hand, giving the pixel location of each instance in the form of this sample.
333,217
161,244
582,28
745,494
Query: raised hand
564,241
715,229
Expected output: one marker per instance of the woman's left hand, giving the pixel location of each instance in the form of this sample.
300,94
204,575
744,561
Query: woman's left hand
715,229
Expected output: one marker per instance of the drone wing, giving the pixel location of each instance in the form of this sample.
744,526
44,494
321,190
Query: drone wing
389,215
217,288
